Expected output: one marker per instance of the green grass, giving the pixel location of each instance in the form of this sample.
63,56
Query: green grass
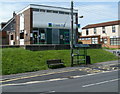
18,60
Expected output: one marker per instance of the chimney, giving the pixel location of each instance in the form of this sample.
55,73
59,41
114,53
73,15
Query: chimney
14,13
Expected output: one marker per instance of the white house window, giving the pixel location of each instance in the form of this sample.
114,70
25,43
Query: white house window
94,30
87,31
105,40
113,29
94,40
114,41
103,29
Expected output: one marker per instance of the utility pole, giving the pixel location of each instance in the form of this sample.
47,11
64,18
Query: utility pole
71,42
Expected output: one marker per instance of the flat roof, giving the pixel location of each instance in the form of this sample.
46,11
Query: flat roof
47,8
102,24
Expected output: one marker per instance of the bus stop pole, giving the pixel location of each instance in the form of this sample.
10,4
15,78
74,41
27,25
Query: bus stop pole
71,44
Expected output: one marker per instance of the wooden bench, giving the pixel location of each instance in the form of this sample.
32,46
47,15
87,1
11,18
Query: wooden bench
53,62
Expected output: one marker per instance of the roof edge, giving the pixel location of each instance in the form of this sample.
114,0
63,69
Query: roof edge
102,24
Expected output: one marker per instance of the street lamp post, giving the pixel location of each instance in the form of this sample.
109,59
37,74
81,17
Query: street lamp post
71,42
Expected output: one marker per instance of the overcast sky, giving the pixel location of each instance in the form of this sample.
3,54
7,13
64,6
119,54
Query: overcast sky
94,11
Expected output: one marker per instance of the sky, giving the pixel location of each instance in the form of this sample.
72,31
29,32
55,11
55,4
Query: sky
93,11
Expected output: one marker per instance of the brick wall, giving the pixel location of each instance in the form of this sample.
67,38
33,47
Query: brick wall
17,35
86,41
108,44
27,26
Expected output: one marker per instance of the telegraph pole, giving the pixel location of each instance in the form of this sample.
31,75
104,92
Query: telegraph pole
71,42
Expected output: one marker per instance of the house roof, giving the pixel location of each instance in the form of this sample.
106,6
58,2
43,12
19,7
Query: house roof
7,23
102,24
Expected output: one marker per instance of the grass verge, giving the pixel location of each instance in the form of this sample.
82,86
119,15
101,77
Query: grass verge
18,60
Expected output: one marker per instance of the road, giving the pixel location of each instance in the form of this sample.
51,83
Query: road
74,81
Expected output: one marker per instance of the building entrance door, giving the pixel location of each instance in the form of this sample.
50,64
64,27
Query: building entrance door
35,37
42,36
64,36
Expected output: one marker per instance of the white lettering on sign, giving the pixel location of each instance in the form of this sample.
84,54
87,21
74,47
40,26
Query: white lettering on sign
56,25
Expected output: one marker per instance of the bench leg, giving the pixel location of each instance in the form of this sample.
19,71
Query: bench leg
48,66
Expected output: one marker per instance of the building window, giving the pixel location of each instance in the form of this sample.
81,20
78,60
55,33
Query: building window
35,9
61,12
94,40
114,41
87,31
104,40
94,30
11,37
12,27
67,13
55,11
103,29
42,10
113,29
22,35
49,11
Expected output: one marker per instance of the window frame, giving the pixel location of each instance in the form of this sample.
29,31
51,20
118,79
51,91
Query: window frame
103,29
87,31
95,32
113,29
114,41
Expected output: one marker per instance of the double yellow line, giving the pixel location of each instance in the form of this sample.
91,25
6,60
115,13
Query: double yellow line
26,77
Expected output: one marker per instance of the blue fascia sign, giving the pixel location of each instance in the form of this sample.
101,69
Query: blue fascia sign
78,25
55,25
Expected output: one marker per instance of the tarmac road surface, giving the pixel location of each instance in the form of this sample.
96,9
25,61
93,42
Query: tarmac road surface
96,82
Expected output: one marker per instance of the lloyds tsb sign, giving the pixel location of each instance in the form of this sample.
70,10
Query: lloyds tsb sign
55,25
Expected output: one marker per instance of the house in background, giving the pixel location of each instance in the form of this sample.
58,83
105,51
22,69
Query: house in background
41,24
4,37
107,34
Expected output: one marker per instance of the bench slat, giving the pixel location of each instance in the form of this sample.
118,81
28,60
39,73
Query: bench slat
54,62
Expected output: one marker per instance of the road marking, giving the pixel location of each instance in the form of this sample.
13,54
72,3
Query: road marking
57,79
56,73
36,76
100,83
34,82
93,74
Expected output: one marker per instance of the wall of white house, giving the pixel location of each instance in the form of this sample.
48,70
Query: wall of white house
108,31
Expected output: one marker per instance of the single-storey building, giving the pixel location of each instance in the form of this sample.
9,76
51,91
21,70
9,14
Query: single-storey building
41,24
106,33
